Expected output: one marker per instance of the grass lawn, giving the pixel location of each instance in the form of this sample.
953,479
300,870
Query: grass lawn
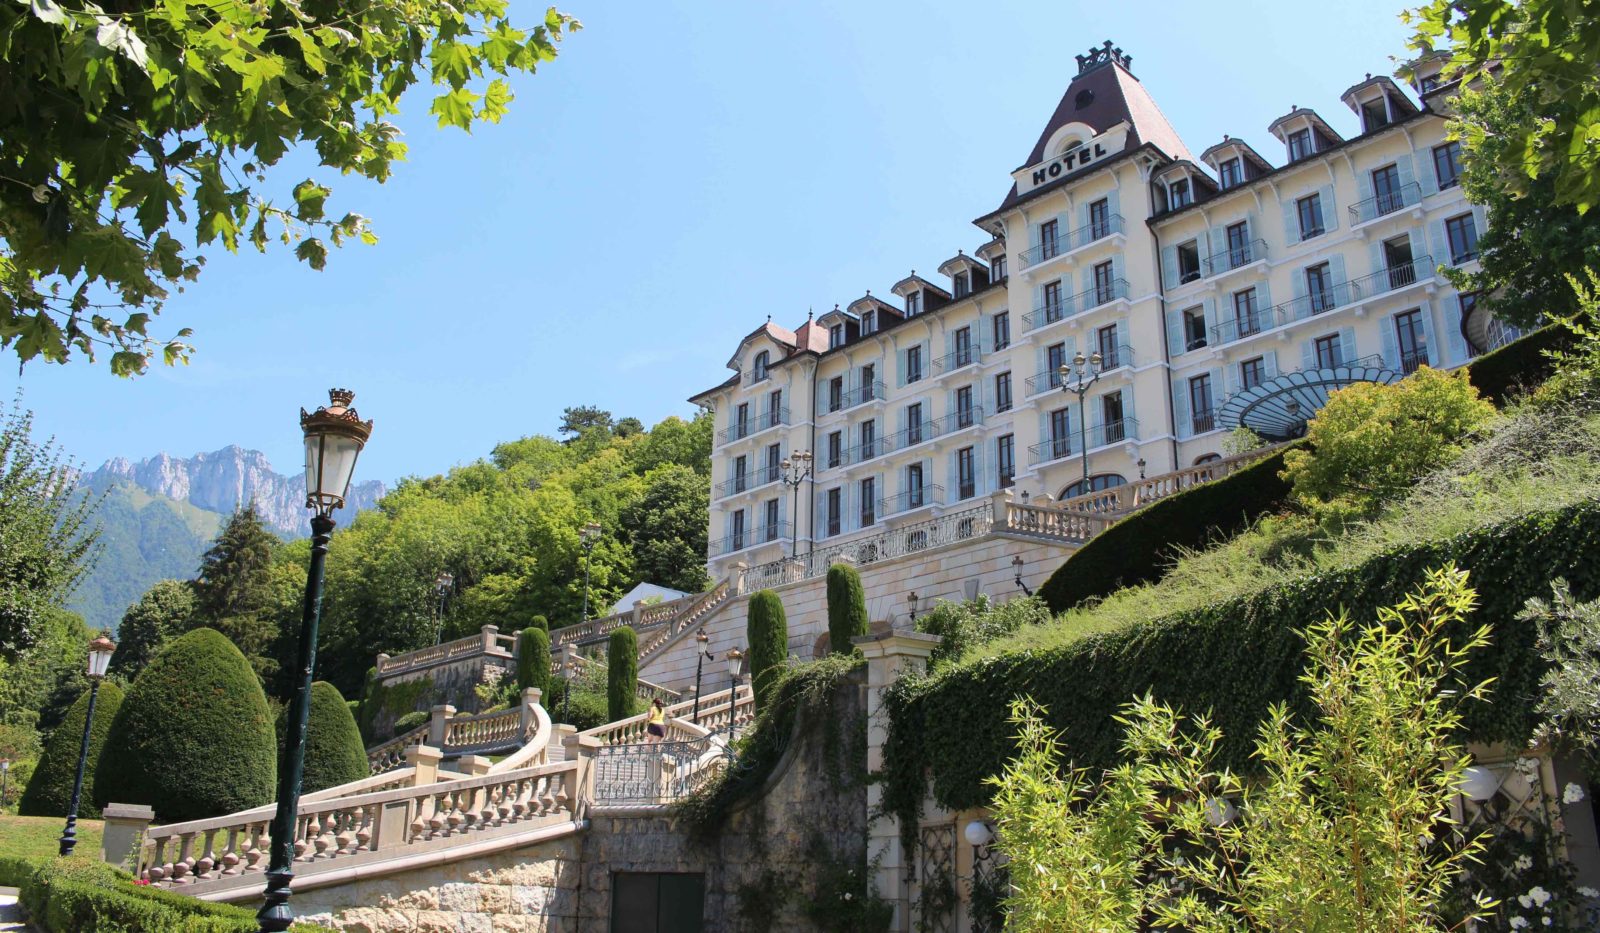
34,836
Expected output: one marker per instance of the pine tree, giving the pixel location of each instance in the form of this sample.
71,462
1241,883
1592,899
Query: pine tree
165,610
233,592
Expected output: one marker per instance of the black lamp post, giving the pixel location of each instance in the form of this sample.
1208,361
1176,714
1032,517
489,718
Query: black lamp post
735,661
1141,467
705,653
911,600
5,777
99,659
334,437
1083,378
588,537
1016,564
796,470
442,585
568,670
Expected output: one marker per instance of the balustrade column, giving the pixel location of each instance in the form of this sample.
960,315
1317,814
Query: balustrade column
439,724
122,837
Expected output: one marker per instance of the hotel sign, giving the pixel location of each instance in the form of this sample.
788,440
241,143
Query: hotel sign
1079,157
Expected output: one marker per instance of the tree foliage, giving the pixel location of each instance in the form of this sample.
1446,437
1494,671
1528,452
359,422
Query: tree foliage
1370,442
666,528
1544,55
847,608
1335,835
234,589
135,136
622,673
163,612
49,790
47,541
767,633
1569,705
533,661
37,688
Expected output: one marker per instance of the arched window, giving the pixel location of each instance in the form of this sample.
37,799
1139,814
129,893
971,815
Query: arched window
1093,484
760,367
1207,458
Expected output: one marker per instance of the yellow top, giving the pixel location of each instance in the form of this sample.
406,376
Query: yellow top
658,716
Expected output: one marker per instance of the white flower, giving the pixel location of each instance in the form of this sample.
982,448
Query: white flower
1528,765
1518,923
1546,920
1537,896
1587,891
848,895
1523,863
1572,793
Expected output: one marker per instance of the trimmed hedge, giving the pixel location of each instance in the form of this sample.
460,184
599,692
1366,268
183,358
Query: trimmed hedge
768,633
1142,547
49,790
539,622
1234,658
83,894
847,608
334,753
411,720
533,660
1519,365
622,673
194,738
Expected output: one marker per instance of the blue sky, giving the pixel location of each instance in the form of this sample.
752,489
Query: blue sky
680,172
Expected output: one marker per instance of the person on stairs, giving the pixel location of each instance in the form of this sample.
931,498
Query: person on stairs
656,722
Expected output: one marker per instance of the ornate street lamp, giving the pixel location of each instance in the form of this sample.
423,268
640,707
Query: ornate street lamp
911,600
99,659
5,777
334,437
1083,378
735,662
1016,565
796,470
1141,467
569,670
442,585
700,659
588,537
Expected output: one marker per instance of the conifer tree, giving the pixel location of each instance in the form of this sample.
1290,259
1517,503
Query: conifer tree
768,632
847,608
233,592
164,611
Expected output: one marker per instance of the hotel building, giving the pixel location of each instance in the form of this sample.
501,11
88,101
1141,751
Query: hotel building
1130,304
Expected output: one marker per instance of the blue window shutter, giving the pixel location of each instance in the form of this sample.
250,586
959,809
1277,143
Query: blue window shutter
1291,219
1113,203
1219,242
1263,295
1174,331
1033,235
1435,349
1064,227
1439,243
1297,279
1347,343
1450,312
1428,172
1230,383
1391,343
1336,273
1408,172
1169,267
1363,184
1269,363
1180,407
1308,354
1210,310
1375,250
1422,244
1330,208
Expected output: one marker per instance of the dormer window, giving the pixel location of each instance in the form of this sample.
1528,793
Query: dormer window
1231,172
963,284
760,368
913,304
1374,115
869,321
1178,193
1430,83
835,336
1300,145
997,269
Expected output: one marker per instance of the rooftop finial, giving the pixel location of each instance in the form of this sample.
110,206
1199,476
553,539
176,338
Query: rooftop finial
1103,54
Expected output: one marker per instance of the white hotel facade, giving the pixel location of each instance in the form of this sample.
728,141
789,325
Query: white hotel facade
1217,291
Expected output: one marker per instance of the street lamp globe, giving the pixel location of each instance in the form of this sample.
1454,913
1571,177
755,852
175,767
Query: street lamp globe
1478,783
1095,359
978,833
735,662
334,437
1077,359
100,651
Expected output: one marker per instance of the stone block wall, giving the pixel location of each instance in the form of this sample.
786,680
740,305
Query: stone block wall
446,683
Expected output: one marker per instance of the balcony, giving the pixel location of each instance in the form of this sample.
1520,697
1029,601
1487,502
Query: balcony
930,428
1412,360
960,359
1247,325
1202,421
740,430
1386,203
860,395
861,453
1076,304
744,482
1393,278
1071,242
732,544
910,500
1056,448
1236,257
1119,356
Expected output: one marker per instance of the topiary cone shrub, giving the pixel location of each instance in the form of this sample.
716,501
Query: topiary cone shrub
334,753
768,632
622,673
539,622
533,661
49,790
194,737
847,608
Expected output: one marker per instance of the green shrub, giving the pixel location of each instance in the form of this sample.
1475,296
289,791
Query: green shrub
16,869
622,673
334,754
768,633
82,894
49,789
411,721
1235,658
961,626
540,622
369,689
194,738
533,660
1519,366
847,608
1139,549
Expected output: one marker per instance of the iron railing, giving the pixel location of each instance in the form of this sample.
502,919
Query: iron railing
1386,203
1233,257
929,428
1411,361
1246,324
744,482
951,362
1075,304
1067,242
911,499
1096,435
740,430
1393,278
761,534
868,392
659,773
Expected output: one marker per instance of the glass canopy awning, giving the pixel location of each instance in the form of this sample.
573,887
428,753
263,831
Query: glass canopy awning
1278,408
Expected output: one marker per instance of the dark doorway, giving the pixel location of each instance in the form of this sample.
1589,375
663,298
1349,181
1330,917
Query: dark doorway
657,902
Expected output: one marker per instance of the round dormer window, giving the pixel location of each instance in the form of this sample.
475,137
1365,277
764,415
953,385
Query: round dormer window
1085,98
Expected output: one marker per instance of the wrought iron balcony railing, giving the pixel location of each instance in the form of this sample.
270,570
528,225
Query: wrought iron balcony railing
744,482
740,430
860,395
1121,355
911,499
1051,312
1386,203
1393,278
1064,243
761,534
1235,256
951,362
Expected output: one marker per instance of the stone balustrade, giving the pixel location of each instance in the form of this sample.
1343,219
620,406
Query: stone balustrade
1053,523
487,641
1130,496
389,755
467,735
485,730
632,730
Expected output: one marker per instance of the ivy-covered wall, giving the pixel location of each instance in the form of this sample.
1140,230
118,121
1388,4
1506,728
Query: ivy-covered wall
1233,658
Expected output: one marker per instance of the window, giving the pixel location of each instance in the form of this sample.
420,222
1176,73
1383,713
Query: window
741,420
1398,262
1099,219
836,393
774,461
1060,434
1411,340
1246,319
1309,210
1430,83
1374,115
1106,340
736,539
913,423
962,284
835,335
914,486
1194,328
913,364
1049,242
913,304
869,502
1386,192
761,366
1005,451
832,510
1188,262
869,440
1104,285
1055,357
1463,234
1002,330
1319,287
1447,164
963,354
774,408
1201,415
964,411
1097,483
1115,428
1178,194
966,475
772,524
1299,145
741,477
1252,372
1002,392
869,382
835,448
1052,302
1238,244
1329,351
869,321
1230,172
997,268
